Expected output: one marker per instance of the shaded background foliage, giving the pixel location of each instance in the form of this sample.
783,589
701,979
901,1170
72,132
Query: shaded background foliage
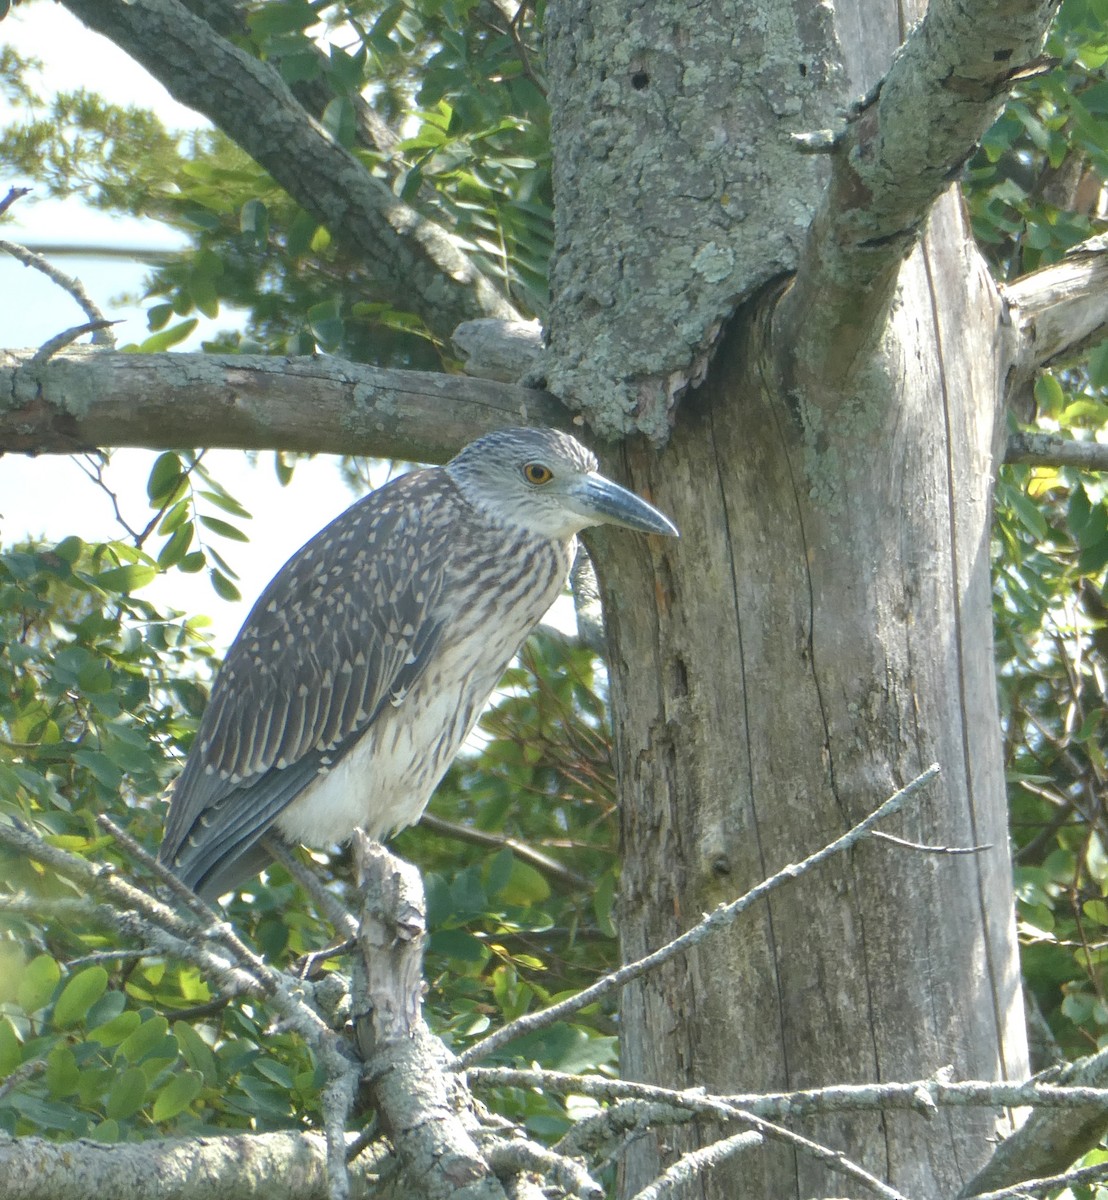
100,691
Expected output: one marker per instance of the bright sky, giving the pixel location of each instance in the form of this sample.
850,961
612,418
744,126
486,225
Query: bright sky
50,496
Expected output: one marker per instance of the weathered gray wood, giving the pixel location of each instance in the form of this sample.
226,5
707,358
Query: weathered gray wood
830,639
279,1166
426,1112
85,398
823,628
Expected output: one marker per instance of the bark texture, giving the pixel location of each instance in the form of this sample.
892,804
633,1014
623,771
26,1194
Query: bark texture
670,128
822,631
86,398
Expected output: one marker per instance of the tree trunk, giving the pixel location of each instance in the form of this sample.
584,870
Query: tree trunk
822,631
820,634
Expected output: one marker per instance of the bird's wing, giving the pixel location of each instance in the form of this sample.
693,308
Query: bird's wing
346,625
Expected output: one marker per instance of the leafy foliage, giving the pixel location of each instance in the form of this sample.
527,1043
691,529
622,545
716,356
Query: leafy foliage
100,691
456,91
99,697
1035,189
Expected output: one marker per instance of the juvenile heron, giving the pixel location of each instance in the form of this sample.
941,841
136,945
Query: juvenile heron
367,660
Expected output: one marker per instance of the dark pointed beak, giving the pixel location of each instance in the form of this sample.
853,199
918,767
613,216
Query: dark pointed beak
606,503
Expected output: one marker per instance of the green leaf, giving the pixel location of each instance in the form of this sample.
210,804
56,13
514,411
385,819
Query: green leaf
224,588
338,120
177,1095
164,477
196,1052
284,16
145,1040
224,529
116,1030
79,995
526,885
10,1050
126,579
167,338
254,219
37,983
1049,395
127,1095
62,1073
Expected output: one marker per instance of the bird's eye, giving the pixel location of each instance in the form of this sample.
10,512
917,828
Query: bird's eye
537,473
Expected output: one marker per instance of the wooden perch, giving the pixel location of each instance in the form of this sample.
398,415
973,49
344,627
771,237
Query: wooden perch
84,398
425,1110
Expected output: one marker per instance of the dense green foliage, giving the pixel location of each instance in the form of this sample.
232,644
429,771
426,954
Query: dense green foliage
100,697
99,691
1036,189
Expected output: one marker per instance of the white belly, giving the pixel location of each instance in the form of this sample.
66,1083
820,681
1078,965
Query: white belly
385,781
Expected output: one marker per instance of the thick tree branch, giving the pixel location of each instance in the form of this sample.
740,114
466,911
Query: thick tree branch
1053,450
229,19
1049,1141
279,1166
899,152
413,257
1059,311
86,398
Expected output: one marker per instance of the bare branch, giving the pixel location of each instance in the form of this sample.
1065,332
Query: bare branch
1061,309
923,848
20,1075
426,1111
924,1096
1053,450
67,337
326,902
722,916
88,398
509,1157
548,866
252,104
99,325
1039,1187
279,1166
695,1162
14,194
1049,1141
900,151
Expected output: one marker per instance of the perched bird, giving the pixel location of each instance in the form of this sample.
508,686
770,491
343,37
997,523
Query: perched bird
367,660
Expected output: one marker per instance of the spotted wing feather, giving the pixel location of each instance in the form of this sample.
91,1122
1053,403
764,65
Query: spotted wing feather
350,621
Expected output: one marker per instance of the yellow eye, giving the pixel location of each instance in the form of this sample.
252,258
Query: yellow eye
538,474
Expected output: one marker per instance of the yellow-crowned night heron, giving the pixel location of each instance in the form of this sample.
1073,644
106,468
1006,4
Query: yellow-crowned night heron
365,663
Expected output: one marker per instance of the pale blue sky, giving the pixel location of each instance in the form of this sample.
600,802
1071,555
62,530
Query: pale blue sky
49,496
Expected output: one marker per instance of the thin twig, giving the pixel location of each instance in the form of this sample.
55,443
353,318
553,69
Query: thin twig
59,341
325,901
528,854
14,194
98,323
924,848
21,1074
160,871
693,1164
1037,1187
722,916
924,1096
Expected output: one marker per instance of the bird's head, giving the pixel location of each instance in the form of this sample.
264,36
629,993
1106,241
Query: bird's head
549,483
